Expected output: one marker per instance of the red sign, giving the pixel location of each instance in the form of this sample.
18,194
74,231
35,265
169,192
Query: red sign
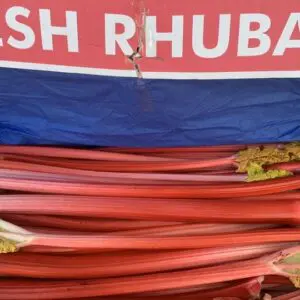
153,38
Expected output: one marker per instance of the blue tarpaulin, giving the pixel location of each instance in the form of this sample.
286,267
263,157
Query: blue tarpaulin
38,107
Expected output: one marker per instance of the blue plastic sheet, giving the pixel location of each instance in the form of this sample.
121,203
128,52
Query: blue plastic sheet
55,108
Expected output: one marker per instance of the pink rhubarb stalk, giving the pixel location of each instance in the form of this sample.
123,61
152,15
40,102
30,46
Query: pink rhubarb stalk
105,225
118,242
42,290
200,211
129,178
123,264
290,296
76,153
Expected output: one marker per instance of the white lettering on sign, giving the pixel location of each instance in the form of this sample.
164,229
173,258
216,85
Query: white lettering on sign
48,30
259,34
223,37
30,31
121,40
12,22
112,38
175,36
286,41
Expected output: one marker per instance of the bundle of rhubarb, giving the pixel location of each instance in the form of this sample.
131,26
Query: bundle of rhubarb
145,224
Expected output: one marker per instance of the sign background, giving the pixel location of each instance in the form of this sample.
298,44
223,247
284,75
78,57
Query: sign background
92,59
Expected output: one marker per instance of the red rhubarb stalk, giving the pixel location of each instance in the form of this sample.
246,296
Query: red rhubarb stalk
164,164
249,289
194,155
29,167
279,280
110,241
178,294
180,191
194,229
177,230
204,149
121,264
75,153
290,296
127,178
209,211
42,290
104,225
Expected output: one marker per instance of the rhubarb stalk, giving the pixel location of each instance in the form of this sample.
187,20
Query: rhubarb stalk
201,211
109,225
75,153
121,264
179,191
290,296
27,289
111,241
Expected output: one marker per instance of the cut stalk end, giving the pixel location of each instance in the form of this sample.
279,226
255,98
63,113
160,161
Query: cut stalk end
257,173
253,160
288,264
296,281
267,155
7,246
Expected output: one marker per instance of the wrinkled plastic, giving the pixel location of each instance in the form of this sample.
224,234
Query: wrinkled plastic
55,108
